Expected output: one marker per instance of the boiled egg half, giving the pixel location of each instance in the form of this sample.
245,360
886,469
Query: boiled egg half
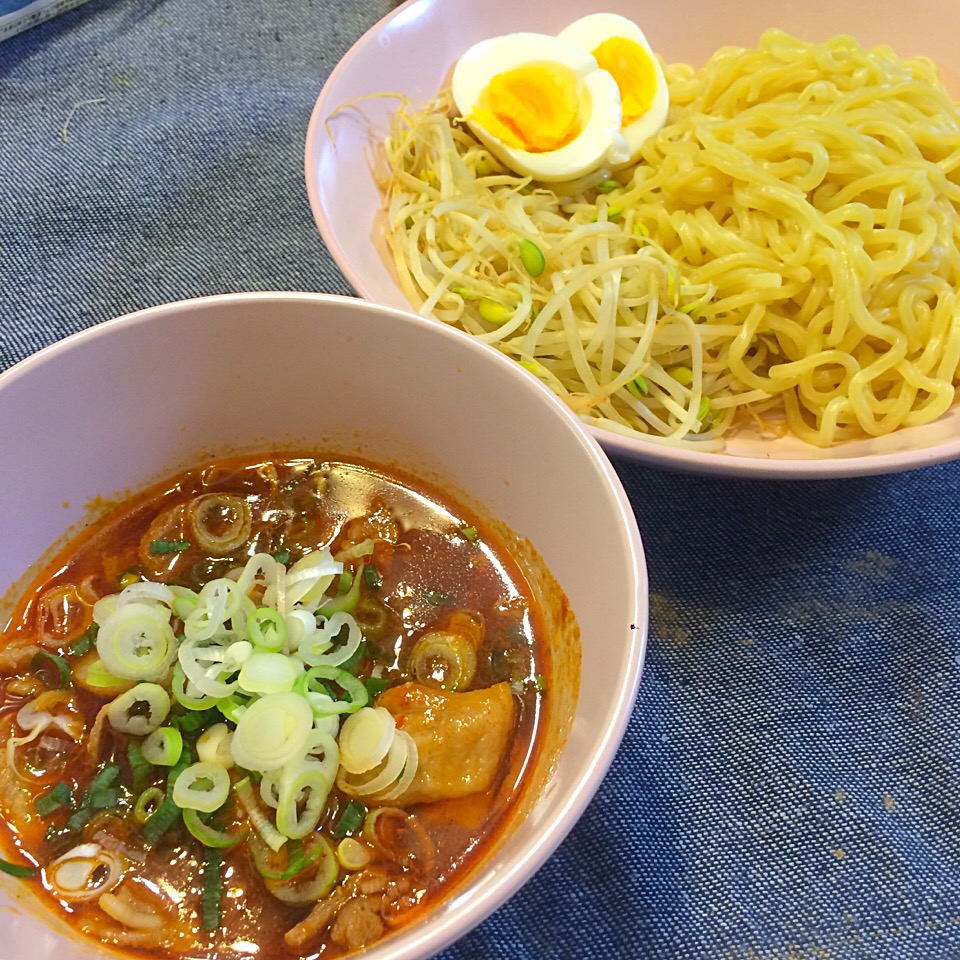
620,48
541,105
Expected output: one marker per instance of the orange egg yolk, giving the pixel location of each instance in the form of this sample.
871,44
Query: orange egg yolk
632,67
535,107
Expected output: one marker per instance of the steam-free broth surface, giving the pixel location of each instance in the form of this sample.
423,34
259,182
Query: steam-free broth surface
392,618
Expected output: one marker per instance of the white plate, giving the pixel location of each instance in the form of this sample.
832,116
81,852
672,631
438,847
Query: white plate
412,51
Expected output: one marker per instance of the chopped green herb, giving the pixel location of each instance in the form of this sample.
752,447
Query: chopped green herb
79,817
42,660
60,796
376,685
437,598
350,820
16,869
140,767
540,682
470,533
212,896
282,556
194,720
85,641
168,546
208,835
353,661
168,813
372,578
109,776
160,821
105,798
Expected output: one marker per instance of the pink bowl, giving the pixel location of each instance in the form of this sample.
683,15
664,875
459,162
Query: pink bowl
412,51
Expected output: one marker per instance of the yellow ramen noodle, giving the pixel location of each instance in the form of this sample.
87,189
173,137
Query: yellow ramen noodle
784,252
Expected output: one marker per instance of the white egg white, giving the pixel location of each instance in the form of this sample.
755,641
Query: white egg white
588,33
600,143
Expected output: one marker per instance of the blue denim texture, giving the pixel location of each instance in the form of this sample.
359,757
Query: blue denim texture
788,786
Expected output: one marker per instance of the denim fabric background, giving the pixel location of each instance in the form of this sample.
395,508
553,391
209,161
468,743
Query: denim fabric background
787,788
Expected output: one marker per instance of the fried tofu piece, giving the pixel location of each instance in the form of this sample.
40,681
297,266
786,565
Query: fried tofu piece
461,738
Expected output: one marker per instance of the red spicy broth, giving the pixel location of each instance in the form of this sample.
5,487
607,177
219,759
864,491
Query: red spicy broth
451,658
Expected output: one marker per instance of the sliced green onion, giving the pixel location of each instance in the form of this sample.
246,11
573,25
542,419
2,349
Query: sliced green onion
272,731
354,689
163,747
469,533
275,867
16,869
196,719
267,629
344,602
99,676
139,711
304,788
60,796
185,697
531,256
365,739
345,582
85,641
372,577
282,556
202,786
40,661
375,686
318,649
136,641
232,707
148,803
106,798
352,854
214,745
209,836
362,549
269,673
373,617
211,898
79,817
160,547
350,820
494,312
160,821
270,835
436,598
638,387
445,660
220,522
309,886
108,776
168,813
140,766
289,861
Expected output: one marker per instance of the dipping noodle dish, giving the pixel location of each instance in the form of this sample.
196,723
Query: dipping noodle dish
274,706
771,241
